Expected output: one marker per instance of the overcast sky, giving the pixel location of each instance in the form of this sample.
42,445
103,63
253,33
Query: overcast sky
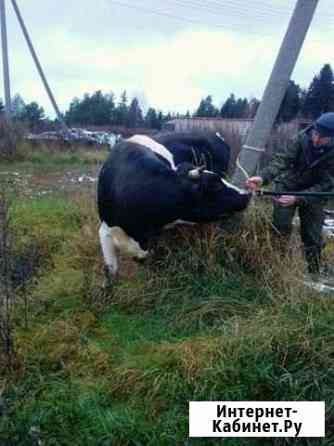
168,53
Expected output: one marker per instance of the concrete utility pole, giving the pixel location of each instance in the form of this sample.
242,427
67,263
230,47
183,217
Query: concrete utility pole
38,66
276,89
5,64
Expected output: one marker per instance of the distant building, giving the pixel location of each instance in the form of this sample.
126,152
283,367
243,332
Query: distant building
240,126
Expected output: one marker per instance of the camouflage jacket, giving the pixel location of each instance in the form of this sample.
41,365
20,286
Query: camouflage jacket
295,172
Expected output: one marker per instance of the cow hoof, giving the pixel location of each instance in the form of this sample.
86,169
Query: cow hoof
140,258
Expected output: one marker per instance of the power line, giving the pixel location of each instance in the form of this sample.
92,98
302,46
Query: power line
250,9
242,8
232,27
232,12
254,4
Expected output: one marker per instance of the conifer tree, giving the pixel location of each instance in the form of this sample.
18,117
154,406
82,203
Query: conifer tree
320,94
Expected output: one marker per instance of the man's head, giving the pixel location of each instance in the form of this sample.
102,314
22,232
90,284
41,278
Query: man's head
323,132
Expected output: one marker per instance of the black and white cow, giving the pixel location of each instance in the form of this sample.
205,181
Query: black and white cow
148,183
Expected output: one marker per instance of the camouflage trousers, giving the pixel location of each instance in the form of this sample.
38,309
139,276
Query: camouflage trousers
311,217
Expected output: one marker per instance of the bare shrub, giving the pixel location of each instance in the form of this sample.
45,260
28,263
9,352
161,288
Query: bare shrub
11,138
7,294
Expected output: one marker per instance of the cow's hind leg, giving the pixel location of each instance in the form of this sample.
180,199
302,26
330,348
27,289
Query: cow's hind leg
127,245
109,253
114,240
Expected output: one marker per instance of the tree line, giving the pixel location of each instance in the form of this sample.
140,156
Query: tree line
306,103
95,109
104,109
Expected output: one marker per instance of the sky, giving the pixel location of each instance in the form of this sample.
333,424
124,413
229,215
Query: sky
169,54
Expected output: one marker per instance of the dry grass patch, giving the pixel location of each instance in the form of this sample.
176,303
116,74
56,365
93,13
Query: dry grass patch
63,346
255,247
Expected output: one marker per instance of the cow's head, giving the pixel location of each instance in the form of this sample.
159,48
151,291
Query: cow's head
212,195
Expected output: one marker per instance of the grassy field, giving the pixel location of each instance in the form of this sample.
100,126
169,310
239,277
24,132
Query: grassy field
206,318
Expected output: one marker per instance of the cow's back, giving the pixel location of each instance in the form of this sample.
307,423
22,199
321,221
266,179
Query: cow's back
198,148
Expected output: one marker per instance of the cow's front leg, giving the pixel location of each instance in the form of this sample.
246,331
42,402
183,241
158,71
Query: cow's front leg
109,254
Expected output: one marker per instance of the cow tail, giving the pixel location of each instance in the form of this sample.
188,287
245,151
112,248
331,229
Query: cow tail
103,198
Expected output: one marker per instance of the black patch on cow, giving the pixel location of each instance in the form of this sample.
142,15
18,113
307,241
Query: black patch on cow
139,191
197,148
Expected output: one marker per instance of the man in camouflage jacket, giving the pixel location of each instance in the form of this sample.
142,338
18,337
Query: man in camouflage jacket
307,166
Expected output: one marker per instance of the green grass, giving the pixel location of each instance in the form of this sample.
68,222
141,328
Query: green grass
42,159
44,222
193,324
65,158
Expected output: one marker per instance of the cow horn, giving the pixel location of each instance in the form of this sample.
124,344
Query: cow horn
196,173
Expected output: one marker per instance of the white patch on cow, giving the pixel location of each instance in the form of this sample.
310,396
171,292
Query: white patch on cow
179,222
148,142
231,186
220,136
227,184
114,240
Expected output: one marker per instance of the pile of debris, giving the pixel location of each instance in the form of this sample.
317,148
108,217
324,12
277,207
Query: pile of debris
328,227
78,135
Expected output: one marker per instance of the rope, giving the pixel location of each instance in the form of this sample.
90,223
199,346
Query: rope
254,149
241,168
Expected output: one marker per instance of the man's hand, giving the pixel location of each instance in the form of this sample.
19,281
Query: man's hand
254,183
287,200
